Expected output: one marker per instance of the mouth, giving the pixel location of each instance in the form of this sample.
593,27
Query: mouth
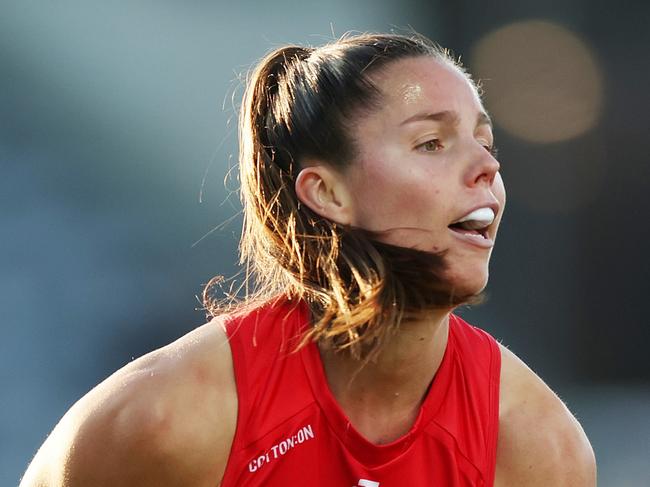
475,226
459,228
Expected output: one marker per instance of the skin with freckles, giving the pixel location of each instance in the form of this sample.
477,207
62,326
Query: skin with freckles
418,171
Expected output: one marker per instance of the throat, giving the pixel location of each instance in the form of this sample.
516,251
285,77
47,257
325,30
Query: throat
382,399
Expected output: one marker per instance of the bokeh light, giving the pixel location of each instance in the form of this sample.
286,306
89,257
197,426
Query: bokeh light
543,83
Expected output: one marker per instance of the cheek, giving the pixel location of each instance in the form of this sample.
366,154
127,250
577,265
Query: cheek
499,189
390,196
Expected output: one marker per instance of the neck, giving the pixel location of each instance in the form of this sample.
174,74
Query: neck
385,394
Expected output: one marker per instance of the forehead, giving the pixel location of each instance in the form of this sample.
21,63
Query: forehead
425,83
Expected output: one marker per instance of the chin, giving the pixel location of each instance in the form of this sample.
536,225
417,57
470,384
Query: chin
468,283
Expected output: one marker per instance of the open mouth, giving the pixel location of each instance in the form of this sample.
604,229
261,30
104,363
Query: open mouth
468,230
475,223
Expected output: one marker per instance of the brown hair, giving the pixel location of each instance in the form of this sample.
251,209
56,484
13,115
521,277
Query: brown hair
299,104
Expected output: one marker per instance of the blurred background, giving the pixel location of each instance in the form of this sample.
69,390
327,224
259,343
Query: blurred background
118,127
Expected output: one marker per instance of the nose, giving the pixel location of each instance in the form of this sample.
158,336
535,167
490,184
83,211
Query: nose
483,168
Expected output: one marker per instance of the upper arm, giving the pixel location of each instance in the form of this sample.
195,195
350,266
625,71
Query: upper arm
540,442
166,419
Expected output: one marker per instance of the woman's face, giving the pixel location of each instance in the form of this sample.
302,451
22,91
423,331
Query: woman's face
424,163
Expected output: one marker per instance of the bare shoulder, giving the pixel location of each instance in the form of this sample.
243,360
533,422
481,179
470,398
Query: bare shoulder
167,418
540,442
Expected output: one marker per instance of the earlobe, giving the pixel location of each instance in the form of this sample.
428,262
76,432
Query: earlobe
322,190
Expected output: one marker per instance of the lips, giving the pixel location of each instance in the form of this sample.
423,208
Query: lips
476,238
475,223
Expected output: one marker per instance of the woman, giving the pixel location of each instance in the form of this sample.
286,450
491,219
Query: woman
372,198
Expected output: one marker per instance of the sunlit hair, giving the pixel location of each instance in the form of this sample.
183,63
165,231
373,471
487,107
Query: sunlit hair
302,104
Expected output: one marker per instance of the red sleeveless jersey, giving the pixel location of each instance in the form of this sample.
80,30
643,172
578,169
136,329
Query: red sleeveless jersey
291,431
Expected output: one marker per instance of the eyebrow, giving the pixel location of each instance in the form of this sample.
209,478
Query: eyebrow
447,116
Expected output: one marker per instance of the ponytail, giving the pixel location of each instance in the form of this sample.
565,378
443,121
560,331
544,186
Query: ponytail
298,104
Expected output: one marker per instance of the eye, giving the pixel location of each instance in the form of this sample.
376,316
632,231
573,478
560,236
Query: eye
492,149
432,145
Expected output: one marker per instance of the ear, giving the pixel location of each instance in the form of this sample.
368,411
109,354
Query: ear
323,190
